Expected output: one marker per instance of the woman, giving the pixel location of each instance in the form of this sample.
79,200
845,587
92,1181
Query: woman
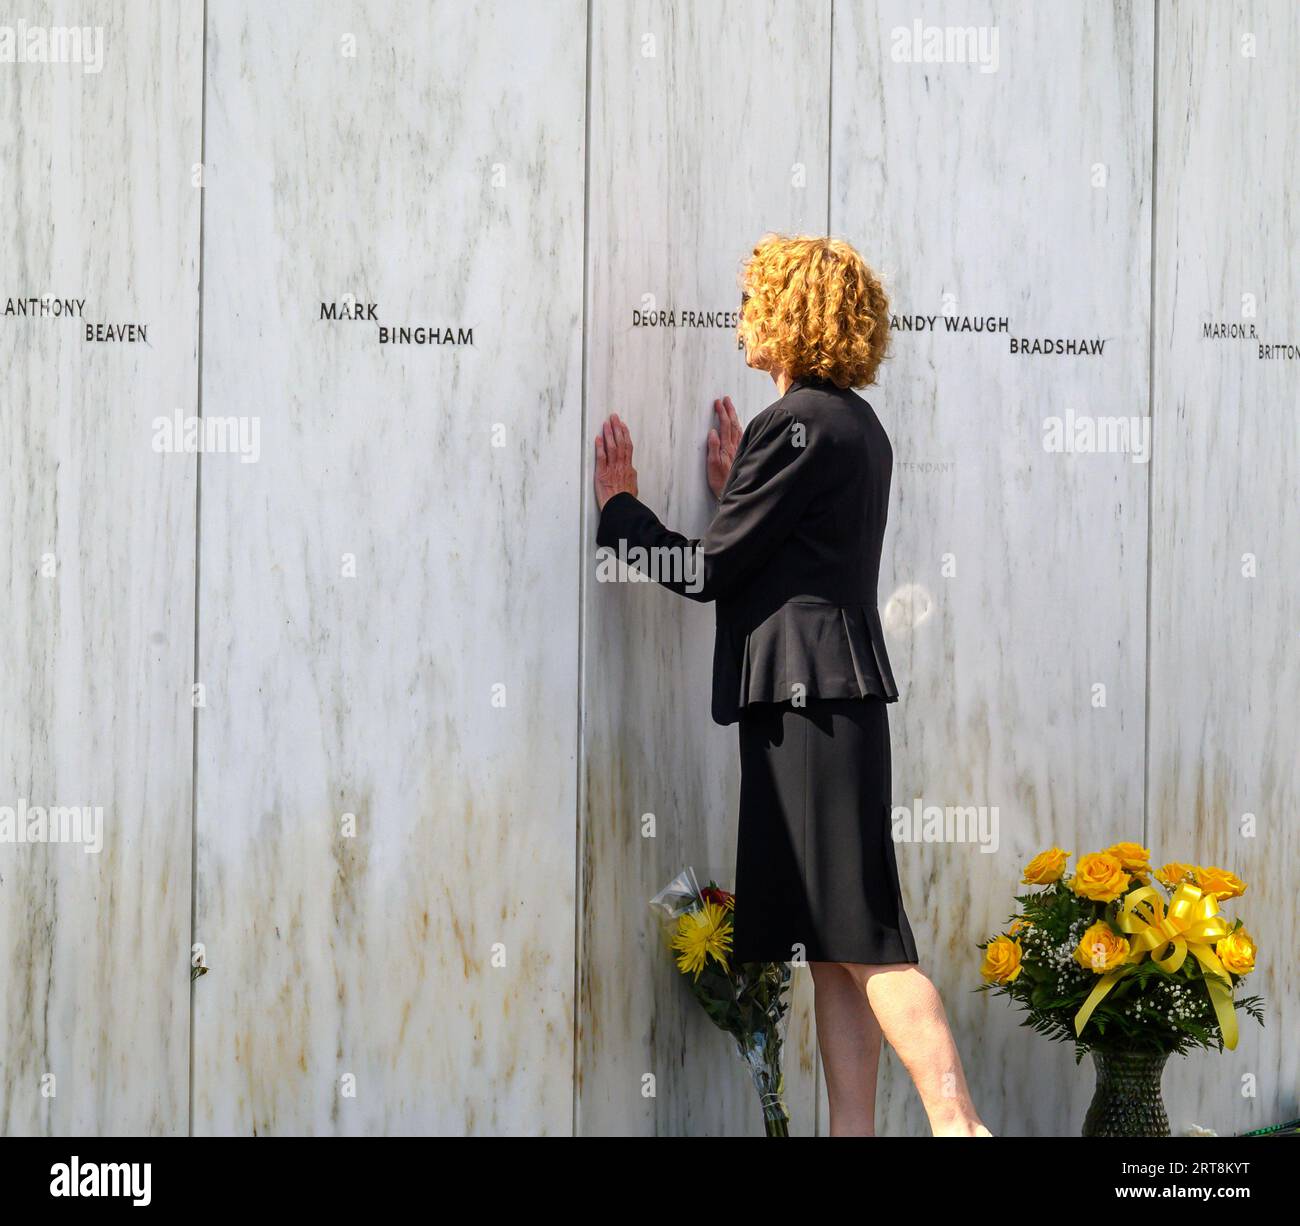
792,558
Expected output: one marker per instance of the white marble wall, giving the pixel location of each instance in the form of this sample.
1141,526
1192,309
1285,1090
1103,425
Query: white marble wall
1014,578
476,955
96,568
708,128
1225,543
427,158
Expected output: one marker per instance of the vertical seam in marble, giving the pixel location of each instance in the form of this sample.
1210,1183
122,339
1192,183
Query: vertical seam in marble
1151,418
580,757
830,195
830,108
198,519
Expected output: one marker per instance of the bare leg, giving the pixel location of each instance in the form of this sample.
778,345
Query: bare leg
910,1014
849,1038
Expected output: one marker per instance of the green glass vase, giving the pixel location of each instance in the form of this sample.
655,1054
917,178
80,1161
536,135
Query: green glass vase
1127,1102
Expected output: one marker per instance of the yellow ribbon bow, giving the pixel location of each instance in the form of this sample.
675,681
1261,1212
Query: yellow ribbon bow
1192,924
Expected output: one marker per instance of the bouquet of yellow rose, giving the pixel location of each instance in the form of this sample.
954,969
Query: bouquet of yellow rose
749,1001
1113,963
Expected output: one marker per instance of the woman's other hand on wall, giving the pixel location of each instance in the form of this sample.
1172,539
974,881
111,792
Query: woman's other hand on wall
614,471
724,440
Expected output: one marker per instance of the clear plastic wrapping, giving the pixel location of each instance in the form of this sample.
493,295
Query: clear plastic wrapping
749,1001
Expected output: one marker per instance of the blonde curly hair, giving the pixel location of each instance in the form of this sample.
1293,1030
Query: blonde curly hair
812,307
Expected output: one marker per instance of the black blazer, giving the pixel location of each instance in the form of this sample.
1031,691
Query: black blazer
792,556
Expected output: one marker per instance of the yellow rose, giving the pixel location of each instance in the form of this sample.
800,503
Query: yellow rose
1101,950
1017,924
1134,858
1001,960
1237,952
1219,882
1099,876
1174,872
1046,867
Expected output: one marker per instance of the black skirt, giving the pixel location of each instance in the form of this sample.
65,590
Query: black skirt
816,874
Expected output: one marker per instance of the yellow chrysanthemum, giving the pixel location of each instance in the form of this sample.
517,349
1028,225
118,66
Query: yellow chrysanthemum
1101,950
702,935
1219,882
1237,952
1001,960
1046,867
1133,856
1099,876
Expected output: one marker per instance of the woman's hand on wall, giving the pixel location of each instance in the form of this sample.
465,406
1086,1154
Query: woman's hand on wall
724,440
614,471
